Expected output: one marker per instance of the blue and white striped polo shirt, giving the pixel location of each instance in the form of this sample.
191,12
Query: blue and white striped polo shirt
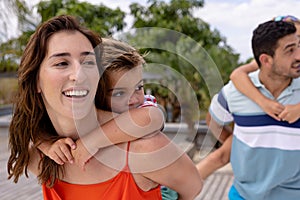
265,154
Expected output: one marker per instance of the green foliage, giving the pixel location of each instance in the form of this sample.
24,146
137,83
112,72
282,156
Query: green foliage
198,65
176,50
11,51
8,87
99,18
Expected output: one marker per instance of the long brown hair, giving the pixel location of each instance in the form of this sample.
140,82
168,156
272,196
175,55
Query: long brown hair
30,122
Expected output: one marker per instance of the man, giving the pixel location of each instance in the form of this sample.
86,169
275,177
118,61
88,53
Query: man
265,151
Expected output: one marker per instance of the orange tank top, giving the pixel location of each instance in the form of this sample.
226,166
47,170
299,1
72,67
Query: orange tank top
121,187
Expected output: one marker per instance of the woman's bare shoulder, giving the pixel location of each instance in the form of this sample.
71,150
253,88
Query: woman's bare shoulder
35,157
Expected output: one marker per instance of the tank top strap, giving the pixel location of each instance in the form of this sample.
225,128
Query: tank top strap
126,168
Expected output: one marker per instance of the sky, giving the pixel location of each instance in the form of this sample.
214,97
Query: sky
235,19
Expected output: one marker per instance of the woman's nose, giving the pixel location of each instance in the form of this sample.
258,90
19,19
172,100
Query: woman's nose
77,73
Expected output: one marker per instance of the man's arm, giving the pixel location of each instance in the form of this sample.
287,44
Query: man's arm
216,159
221,156
221,133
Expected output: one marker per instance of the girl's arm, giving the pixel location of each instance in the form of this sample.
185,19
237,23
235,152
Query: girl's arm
128,126
242,82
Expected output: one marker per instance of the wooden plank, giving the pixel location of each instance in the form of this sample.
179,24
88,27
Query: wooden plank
216,186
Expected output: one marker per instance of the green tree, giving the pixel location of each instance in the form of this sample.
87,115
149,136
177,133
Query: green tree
99,18
11,48
9,11
178,15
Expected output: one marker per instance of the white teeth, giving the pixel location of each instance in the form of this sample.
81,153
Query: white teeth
76,93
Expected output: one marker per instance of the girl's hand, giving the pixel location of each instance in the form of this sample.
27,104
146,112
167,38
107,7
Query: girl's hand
59,151
291,113
272,108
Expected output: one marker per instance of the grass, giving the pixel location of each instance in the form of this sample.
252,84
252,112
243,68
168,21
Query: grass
8,87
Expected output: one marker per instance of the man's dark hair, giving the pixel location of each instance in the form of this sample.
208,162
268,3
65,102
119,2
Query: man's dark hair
266,35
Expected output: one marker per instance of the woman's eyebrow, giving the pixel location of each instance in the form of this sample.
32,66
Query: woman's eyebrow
85,53
59,55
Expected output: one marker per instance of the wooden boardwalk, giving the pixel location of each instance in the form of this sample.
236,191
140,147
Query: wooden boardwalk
216,187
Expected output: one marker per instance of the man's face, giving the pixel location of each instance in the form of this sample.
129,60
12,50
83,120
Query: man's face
286,61
297,25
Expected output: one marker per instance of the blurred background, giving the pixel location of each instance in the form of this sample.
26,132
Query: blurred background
178,15
222,28
191,49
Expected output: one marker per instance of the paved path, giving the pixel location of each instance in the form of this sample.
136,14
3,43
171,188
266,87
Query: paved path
26,188
215,187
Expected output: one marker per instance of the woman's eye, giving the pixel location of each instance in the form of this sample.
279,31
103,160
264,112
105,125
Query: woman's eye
61,64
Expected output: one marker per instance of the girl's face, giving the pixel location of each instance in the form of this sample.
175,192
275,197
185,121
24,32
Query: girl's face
68,75
126,89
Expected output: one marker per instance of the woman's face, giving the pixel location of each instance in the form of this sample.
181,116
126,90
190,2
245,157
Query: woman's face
68,75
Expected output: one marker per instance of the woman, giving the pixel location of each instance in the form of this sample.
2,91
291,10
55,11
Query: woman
60,77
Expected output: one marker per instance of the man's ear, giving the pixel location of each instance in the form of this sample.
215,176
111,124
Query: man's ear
266,60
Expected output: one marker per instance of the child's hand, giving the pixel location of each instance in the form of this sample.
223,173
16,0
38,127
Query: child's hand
290,113
272,108
59,151
81,154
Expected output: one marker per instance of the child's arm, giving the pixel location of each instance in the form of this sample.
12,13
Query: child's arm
128,126
59,151
242,82
291,113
